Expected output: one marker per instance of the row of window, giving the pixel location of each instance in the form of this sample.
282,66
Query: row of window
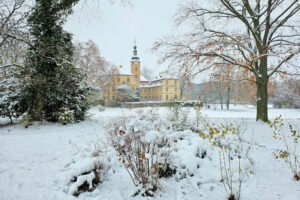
152,89
167,89
113,89
175,82
128,80
167,97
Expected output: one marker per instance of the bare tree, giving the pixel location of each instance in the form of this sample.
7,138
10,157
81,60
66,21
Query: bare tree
12,52
287,93
147,73
259,36
13,32
98,70
227,78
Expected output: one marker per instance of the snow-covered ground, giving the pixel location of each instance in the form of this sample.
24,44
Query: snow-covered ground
235,112
36,163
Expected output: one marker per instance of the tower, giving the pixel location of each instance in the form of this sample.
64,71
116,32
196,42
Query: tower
135,64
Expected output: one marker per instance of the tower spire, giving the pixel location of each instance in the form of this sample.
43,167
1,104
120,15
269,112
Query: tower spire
135,57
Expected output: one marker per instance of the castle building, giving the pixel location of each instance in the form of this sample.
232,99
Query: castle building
131,86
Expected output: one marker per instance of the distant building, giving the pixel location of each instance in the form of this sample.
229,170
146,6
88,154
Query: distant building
162,88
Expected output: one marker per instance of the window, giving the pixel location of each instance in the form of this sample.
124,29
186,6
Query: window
167,97
175,88
136,69
118,79
113,97
175,96
128,80
167,82
167,88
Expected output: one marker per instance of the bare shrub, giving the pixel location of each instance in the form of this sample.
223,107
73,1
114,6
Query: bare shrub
289,151
144,149
197,108
232,152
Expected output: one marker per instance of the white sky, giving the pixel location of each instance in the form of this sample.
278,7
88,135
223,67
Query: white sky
113,28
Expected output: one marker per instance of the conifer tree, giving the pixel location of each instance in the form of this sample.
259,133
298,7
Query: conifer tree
53,83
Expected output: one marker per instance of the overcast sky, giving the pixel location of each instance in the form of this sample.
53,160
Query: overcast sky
113,28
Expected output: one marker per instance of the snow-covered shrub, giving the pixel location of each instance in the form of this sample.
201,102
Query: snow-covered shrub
87,171
144,148
177,116
11,102
186,154
289,152
101,108
66,116
127,93
232,149
87,176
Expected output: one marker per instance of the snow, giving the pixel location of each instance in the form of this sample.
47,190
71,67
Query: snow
235,112
151,85
38,162
151,136
89,178
164,76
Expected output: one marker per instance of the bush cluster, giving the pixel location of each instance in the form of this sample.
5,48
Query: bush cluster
144,148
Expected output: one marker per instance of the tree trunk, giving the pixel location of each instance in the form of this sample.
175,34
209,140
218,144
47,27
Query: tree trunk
228,96
181,89
262,99
220,94
227,104
36,112
221,103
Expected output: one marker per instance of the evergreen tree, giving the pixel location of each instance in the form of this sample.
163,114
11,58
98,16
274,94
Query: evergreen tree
53,83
